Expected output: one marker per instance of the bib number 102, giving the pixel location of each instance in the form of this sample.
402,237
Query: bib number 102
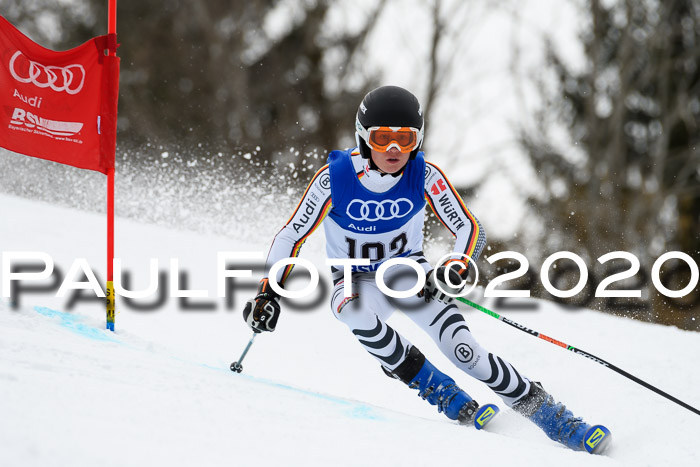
376,251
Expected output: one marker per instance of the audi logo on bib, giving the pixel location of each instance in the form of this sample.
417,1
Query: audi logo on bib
385,210
68,78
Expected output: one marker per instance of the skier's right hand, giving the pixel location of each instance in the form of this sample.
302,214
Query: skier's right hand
262,312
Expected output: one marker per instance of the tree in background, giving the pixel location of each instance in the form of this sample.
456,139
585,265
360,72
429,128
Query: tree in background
629,176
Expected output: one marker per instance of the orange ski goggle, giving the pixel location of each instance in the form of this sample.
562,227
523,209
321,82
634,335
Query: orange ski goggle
382,138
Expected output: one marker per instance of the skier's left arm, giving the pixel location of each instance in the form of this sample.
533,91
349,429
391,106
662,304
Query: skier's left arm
448,206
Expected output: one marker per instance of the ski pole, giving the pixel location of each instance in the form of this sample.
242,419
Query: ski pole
236,366
579,352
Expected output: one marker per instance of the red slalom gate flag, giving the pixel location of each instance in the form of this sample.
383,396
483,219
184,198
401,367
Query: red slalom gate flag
59,106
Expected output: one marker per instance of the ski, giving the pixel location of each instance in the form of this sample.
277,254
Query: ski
484,415
597,439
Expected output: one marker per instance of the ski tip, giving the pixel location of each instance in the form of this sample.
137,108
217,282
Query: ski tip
597,439
484,415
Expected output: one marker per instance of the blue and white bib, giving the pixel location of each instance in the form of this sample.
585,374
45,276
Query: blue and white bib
377,226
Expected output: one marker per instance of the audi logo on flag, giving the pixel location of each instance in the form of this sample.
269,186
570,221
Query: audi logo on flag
379,210
68,78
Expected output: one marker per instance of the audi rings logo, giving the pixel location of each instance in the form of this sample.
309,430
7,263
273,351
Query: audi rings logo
68,78
379,210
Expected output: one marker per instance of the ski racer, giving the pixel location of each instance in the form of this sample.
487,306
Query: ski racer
371,202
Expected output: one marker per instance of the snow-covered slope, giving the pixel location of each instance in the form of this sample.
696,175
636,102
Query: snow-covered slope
158,391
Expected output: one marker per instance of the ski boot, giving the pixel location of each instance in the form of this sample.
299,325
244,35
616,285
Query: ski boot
440,390
559,423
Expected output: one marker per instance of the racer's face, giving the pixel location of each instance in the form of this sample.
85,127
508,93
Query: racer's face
391,161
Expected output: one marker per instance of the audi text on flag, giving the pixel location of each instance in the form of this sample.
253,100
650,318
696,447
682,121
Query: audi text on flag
59,106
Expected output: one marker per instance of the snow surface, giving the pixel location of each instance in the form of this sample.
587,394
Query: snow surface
159,391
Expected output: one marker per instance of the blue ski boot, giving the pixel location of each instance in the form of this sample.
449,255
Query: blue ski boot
560,424
439,389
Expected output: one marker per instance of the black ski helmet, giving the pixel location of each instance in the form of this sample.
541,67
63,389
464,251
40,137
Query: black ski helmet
388,106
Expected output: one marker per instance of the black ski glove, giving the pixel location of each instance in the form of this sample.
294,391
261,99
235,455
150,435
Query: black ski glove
456,275
262,312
